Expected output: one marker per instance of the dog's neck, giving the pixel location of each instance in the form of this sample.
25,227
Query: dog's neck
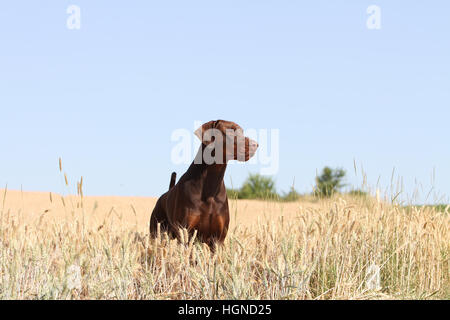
208,177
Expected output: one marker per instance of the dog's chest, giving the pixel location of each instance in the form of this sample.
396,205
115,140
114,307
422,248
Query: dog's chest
208,218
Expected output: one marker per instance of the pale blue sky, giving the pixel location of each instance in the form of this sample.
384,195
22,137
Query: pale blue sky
106,98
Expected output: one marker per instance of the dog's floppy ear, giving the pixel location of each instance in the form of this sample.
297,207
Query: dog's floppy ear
205,132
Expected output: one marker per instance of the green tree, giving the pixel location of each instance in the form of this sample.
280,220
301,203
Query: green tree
329,182
257,187
292,195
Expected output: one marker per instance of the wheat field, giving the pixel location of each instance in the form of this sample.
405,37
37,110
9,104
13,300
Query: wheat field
77,247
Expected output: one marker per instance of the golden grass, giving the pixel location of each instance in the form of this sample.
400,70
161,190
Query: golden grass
54,247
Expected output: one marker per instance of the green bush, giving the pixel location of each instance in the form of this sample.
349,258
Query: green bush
258,187
255,187
233,193
437,207
329,182
292,195
358,193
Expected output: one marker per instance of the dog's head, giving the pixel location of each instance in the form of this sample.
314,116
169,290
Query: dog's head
227,137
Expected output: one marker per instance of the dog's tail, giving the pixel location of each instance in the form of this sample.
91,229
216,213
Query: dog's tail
173,177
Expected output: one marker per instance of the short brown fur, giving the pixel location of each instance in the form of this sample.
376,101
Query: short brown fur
199,200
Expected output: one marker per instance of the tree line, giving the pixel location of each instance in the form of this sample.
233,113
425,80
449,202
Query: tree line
256,186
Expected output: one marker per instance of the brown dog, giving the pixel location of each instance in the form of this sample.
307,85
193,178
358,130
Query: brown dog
199,200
